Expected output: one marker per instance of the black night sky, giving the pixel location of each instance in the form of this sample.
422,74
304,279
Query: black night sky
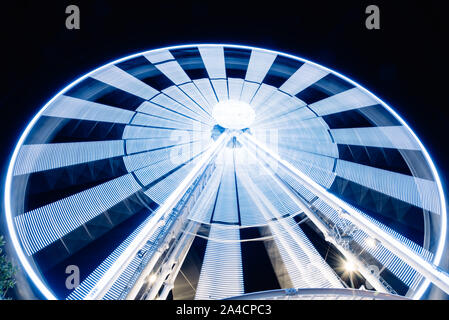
405,63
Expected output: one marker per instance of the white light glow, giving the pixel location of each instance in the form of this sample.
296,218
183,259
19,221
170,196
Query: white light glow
370,242
152,278
233,114
350,266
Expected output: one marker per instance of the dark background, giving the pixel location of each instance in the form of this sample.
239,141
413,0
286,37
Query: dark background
405,63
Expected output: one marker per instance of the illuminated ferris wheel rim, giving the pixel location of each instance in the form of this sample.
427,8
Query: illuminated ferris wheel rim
13,234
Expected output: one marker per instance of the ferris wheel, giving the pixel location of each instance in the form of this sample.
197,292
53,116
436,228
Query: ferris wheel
224,171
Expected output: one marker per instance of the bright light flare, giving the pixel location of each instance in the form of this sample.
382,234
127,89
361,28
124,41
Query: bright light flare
233,114
350,266
371,243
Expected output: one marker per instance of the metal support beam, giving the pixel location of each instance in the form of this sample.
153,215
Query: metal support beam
112,274
328,234
173,262
430,271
